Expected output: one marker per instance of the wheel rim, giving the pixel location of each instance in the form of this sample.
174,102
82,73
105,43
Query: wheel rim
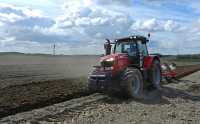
157,76
135,85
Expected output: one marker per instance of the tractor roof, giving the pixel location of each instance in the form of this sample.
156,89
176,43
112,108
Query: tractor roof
136,37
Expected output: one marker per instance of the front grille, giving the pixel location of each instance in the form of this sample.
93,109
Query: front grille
107,64
98,78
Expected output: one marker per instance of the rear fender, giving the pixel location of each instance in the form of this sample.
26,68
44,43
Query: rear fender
148,60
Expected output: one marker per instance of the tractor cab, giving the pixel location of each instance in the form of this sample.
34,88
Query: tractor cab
134,46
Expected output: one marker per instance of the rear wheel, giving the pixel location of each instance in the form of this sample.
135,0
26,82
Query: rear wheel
132,83
155,74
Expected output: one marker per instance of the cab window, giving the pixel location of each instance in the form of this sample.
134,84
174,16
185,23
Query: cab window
142,48
125,47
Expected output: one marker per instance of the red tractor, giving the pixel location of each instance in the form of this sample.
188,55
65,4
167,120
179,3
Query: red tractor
129,68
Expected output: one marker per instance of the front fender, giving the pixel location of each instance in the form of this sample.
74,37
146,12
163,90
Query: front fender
148,60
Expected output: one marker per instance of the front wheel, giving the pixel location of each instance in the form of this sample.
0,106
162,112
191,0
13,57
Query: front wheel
132,83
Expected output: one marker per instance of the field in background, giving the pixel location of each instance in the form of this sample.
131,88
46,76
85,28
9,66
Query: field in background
20,69
182,59
17,69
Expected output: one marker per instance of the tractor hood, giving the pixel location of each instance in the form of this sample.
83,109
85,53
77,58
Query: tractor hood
114,57
118,62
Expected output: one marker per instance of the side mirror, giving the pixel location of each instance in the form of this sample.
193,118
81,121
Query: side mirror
107,47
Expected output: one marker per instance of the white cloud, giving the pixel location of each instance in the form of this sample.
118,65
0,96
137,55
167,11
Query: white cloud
195,26
99,21
22,16
74,9
118,2
32,13
23,23
1,23
84,21
23,11
148,25
91,21
98,35
65,24
170,25
155,25
11,17
151,24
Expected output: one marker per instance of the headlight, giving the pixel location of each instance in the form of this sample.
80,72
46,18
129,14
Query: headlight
110,59
108,62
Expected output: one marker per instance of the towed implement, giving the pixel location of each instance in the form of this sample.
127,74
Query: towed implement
128,68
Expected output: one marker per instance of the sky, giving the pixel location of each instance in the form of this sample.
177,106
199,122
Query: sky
81,26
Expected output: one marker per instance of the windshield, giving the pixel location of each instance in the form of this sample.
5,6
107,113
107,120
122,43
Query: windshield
124,47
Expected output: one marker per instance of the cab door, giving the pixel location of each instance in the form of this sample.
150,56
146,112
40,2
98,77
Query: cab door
143,52
133,53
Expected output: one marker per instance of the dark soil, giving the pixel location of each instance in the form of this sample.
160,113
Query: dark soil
28,96
25,97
